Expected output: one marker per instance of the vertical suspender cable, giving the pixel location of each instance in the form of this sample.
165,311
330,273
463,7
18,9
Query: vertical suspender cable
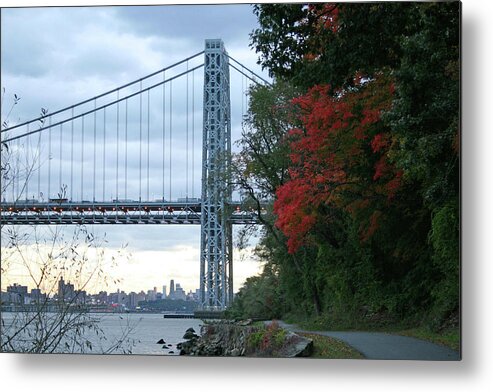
60,164
94,158
193,132
148,135
140,145
28,151
104,152
248,84
164,129
242,98
39,164
49,160
72,158
186,145
126,146
18,159
28,171
117,142
170,131
82,163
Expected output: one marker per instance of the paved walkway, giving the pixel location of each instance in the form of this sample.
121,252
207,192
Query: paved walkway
377,345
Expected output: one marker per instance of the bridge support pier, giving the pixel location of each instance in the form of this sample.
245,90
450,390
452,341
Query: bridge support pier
216,267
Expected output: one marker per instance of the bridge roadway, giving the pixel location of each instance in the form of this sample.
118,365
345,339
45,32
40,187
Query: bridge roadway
115,212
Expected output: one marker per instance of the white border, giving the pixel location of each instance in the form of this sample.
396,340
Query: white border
473,373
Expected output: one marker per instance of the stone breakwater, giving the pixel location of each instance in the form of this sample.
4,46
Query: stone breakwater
229,338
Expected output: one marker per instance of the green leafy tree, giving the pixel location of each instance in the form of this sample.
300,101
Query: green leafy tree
370,218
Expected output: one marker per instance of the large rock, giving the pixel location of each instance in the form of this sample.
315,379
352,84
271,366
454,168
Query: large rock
231,339
299,346
190,335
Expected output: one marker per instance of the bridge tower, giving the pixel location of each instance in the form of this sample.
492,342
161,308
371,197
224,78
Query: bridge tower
216,267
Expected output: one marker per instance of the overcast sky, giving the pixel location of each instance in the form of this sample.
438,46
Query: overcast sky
55,57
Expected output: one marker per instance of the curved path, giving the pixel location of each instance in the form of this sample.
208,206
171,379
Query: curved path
377,345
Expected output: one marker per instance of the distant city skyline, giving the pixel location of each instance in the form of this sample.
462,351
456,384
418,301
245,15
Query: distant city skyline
65,295
56,288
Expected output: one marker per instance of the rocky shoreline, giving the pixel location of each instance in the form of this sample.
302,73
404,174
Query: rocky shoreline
243,338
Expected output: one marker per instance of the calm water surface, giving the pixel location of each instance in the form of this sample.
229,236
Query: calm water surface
145,331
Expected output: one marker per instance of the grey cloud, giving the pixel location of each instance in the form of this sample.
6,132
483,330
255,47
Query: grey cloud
231,22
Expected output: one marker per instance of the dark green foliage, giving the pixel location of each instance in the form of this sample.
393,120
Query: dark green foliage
259,298
407,268
444,238
425,114
367,40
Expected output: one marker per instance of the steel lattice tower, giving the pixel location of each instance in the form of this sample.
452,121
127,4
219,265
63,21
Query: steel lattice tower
216,267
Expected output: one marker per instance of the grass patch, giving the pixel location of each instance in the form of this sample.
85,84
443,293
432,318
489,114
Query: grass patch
266,341
330,348
449,338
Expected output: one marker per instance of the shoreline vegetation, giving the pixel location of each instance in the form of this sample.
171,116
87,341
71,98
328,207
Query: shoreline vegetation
246,339
358,147
269,339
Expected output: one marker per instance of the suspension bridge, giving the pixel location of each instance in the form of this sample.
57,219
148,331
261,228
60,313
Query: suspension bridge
111,159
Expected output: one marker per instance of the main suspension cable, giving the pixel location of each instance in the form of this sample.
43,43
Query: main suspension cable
104,94
103,106
249,70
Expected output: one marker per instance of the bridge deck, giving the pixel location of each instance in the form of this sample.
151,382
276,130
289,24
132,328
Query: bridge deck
116,212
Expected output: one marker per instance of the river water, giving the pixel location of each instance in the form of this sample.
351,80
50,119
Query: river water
140,333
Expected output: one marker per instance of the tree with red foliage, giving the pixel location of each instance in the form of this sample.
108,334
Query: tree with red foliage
340,157
369,200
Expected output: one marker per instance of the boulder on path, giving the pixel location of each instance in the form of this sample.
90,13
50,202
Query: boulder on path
297,346
160,341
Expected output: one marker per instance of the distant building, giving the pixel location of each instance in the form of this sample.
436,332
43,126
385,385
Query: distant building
65,290
164,292
17,294
141,297
102,298
80,296
5,298
132,300
151,295
171,288
179,293
117,298
37,296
